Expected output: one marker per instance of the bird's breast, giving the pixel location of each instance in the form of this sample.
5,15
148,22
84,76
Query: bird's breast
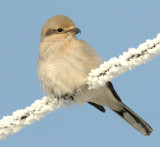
62,69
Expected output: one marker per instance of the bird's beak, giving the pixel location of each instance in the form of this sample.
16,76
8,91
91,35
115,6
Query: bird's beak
75,30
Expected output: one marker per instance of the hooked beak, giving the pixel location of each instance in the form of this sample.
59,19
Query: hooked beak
75,30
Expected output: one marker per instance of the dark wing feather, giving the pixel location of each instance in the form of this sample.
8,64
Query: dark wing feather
99,107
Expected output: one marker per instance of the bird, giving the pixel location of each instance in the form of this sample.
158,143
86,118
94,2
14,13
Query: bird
63,67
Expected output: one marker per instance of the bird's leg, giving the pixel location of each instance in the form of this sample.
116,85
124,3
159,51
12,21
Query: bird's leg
68,96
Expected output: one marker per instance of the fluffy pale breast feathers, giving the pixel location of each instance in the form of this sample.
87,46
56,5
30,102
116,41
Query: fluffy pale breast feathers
64,65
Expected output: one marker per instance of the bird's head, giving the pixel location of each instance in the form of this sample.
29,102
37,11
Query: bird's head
60,25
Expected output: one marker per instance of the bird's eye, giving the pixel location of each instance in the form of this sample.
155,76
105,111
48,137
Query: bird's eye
60,30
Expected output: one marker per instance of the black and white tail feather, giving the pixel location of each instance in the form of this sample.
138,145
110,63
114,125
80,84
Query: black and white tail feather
126,113
134,120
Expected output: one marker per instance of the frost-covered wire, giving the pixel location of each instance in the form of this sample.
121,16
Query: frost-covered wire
98,77
20,118
129,60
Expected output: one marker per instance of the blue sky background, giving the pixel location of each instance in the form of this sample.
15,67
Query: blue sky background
111,27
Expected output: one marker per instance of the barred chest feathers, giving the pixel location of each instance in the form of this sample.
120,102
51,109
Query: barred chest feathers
62,67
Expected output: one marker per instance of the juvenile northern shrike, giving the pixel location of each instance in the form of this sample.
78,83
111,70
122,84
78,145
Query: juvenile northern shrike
63,68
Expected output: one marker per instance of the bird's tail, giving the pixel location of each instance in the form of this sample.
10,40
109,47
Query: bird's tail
134,120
